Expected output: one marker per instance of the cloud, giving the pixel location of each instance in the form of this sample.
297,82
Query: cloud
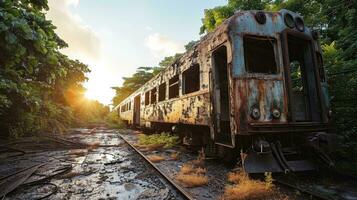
162,46
82,40
148,28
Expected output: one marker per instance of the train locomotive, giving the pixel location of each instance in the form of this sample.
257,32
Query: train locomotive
255,87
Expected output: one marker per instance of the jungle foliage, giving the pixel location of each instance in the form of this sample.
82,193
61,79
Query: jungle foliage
40,88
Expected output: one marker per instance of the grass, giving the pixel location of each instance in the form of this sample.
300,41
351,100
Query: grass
164,139
191,176
244,188
174,156
155,158
192,180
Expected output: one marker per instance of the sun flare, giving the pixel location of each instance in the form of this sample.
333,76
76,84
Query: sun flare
100,93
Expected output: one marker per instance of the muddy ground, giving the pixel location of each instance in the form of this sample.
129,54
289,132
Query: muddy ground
104,168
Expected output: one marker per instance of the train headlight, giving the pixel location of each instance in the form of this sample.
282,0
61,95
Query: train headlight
276,114
260,17
299,24
289,20
255,114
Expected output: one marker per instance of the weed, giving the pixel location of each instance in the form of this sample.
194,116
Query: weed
192,180
245,188
200,161
187,169
174,156
163,139
191,176
155,158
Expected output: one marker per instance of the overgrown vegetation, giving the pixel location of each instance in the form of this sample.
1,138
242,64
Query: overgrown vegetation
192,176
244,188
193,173
165,140
40,88
156,158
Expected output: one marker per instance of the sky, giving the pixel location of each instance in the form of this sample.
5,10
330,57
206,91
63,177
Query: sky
114,37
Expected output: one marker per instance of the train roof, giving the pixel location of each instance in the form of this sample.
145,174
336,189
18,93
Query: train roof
223,29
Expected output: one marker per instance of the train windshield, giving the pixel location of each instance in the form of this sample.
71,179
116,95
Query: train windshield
259,55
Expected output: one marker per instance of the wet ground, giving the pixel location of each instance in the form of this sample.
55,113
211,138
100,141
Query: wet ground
106,168
216,171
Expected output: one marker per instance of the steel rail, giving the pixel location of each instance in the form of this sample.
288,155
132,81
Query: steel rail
307,192
184,193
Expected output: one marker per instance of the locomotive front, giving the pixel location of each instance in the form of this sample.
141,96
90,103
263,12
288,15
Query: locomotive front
278,102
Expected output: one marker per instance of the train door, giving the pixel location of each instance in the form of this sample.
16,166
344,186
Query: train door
220,97
305,103
136,111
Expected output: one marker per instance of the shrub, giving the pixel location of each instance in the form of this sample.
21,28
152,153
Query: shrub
164,139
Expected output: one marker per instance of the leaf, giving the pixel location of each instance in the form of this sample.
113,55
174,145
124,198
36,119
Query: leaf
10,38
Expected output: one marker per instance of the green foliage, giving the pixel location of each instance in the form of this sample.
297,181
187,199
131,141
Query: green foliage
191,44
114,121
163,139
38,85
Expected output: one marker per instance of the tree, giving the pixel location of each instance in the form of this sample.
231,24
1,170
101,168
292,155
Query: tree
38,84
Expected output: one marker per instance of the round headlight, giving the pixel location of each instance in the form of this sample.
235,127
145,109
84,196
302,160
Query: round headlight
255,113
299,24
260,17
289,20
276,114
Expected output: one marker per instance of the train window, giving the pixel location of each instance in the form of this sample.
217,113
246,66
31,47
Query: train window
147,98
191,79
129,105
153,95
162,92
259,54
174,87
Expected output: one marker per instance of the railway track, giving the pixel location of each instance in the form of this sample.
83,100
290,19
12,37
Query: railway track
178,188
337,192
315,195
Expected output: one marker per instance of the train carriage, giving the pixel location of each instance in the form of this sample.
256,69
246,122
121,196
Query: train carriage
256,85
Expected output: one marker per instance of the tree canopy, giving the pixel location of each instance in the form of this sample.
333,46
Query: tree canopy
39,86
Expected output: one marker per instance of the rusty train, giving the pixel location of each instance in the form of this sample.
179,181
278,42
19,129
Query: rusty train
253,89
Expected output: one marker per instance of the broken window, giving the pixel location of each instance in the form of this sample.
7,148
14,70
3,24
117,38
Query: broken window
259,54
153,95
174,87
147,98
191,79
162,92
